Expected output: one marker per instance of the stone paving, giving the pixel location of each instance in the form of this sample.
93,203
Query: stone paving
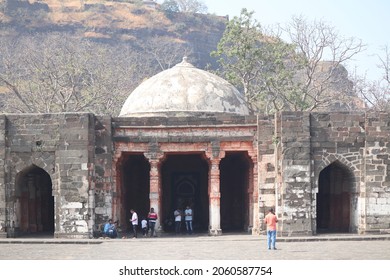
197,247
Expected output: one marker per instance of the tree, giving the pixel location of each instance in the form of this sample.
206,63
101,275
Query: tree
323,52
184,6
303,75
165,52
254,62
59,73
170,7
376,93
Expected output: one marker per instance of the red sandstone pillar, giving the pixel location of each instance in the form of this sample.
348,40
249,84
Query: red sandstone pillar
215,198
155,190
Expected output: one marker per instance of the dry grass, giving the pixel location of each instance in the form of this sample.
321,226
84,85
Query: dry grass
60,4
118,15
126,37
95,35
4,18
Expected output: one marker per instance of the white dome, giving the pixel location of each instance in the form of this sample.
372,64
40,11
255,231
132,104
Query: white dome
184,90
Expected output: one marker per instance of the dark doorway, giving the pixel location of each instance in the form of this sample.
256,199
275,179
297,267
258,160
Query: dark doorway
334,199
234,172
34,202
185,182
135,188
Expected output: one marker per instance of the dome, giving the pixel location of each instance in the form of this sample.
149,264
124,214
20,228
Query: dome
184,90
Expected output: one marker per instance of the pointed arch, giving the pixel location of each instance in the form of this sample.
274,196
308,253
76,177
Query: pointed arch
34,202
335,210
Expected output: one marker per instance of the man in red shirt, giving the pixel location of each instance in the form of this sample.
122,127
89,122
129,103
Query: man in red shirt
152,217
270,220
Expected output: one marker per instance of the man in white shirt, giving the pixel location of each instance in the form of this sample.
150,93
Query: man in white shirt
177,214
188,219
134,222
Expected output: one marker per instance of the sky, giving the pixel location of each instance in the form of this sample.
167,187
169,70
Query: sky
367,20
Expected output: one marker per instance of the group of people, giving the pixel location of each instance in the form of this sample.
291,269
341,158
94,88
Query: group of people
146,225
187,215
149,223
110,228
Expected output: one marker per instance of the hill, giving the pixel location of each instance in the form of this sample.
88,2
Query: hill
129,22
132,40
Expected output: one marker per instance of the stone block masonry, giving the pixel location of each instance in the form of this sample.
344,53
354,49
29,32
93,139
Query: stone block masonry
319,170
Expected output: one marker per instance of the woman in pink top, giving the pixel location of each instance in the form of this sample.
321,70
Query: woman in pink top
270,220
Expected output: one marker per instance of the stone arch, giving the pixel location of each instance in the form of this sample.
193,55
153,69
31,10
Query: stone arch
184,182
133,188
33,203
328,159
44,161
336,199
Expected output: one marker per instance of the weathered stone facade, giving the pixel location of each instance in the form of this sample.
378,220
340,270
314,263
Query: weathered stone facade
194,144
55,145
87,157
305,145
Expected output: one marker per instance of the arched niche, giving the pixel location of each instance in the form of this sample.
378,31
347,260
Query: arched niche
335,211
34,202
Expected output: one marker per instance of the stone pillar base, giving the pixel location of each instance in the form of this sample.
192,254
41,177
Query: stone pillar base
215,232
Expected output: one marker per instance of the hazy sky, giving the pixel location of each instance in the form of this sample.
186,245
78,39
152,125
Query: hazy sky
368,20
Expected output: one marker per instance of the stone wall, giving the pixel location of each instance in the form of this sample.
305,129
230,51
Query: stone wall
293,148
73,160
61,145
307,143
340,137
31,140
2,178
377,174
294,194
266,145
102,187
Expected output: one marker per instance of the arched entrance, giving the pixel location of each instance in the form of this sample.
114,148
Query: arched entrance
234,170
335,189
185,182
34,201
135,185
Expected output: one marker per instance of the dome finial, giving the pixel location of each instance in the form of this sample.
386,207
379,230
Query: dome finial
184,63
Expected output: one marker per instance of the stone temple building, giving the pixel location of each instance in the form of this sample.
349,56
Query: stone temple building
186,137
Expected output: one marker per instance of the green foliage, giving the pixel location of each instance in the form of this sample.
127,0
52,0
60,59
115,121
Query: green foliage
274,75
183,6
192,6
255,63
170,8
